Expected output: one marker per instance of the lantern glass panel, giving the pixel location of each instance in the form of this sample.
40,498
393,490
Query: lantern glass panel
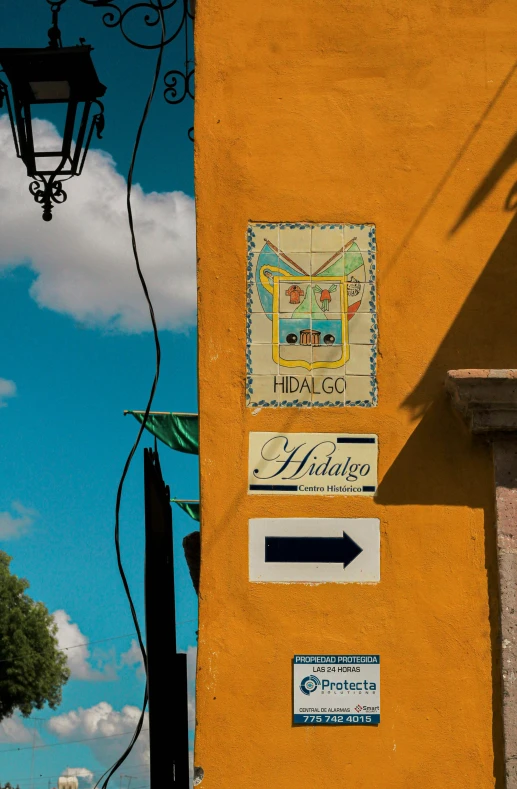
47,75
58,90
47,164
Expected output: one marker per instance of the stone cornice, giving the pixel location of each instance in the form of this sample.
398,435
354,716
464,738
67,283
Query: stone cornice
487,399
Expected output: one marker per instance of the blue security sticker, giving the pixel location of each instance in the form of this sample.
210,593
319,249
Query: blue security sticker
336,690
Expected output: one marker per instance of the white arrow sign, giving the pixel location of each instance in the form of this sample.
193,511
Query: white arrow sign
342,550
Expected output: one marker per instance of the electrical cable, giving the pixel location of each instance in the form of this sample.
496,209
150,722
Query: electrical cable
133,766
68,742
98,641
89,643
109,773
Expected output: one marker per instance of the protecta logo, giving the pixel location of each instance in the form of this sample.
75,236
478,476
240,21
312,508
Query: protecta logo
309,684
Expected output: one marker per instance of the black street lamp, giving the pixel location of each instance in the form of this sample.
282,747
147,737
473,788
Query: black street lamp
53,75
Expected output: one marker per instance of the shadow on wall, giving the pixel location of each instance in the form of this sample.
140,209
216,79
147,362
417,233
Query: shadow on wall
441,464
484,334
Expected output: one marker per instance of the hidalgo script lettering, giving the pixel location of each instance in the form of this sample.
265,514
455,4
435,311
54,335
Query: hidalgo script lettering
312,463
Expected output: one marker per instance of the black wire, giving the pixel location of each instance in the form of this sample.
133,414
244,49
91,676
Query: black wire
109,773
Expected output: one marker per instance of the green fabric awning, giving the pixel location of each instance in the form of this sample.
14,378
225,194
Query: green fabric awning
190,507
178,431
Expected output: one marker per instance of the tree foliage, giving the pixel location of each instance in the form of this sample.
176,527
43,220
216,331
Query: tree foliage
32,669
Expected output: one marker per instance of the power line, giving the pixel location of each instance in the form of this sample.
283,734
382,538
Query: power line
100,641
84,644
68,742
134,767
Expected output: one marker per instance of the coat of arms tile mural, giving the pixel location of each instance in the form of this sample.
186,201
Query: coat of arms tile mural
311,315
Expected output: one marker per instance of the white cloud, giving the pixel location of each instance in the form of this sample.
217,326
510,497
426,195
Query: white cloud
103,722
7,390
133,657
84,775
83,259
14,730
79,656
16,523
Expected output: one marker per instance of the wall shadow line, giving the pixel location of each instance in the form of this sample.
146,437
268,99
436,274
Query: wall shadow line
442,463
448,173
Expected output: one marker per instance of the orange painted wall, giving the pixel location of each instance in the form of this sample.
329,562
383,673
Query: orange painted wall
402,113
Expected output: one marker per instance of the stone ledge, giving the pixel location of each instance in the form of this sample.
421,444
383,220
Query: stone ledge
487,399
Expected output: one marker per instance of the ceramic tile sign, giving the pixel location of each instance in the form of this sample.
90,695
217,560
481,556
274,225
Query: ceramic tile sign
336,690
311,315
317,550
314,464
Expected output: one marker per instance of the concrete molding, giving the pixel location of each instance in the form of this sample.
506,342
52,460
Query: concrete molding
487,399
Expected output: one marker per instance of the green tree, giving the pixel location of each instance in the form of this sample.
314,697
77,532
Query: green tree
32,669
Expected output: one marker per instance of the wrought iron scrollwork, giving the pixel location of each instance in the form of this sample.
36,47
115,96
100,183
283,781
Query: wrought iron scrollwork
47,191
179,82
149,14
172,79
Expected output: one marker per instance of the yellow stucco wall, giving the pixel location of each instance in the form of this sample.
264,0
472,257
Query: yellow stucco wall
401,113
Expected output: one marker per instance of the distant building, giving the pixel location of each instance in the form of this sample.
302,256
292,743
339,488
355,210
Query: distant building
68,782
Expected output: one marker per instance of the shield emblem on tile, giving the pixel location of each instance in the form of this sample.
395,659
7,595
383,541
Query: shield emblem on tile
309,311
306,334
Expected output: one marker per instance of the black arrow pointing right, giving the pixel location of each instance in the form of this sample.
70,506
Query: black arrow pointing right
317,550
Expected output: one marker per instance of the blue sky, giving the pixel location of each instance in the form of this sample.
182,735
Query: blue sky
77,365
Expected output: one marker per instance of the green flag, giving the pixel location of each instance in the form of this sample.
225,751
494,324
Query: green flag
178,431
190,507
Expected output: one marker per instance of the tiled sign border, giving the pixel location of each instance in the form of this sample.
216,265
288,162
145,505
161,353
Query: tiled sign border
250,401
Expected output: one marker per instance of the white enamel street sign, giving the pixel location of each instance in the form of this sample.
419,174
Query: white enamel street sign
336,690
338,550
321,464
